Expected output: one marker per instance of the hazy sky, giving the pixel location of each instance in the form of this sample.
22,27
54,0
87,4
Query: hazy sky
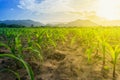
59,10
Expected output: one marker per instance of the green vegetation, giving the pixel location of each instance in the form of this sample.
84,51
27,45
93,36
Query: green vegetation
29,43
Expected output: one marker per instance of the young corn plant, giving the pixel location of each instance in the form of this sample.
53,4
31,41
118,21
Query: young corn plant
35,48
89,52
102,44
50,39
114,53
17,55
91,45
25,64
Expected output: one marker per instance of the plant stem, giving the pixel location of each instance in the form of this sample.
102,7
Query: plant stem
114,70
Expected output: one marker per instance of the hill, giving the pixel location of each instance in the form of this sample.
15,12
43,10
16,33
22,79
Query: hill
81,23
22,22
76,23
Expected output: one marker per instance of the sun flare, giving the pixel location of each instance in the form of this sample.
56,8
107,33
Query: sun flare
107,9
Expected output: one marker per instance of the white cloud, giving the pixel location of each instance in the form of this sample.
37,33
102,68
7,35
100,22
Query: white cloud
46,6
109,9
27,4
58,10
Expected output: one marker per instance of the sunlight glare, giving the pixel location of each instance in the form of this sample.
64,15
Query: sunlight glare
107,9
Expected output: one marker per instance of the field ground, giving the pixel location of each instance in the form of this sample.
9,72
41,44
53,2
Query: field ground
68,53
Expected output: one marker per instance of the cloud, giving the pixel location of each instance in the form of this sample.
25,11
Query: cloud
46,6
58,10
27,4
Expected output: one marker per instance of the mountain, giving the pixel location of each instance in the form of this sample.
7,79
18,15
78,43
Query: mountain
22,22
81,23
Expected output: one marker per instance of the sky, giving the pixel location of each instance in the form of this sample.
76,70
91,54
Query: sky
48,11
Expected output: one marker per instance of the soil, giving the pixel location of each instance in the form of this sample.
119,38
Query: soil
64,62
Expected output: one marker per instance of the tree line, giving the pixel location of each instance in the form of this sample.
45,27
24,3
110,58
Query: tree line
2,25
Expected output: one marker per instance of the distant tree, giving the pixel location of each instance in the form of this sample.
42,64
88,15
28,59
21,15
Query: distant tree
2,25
32,25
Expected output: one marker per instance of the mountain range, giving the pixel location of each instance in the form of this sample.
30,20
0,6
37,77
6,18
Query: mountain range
22,22
76,23
81,23
90,23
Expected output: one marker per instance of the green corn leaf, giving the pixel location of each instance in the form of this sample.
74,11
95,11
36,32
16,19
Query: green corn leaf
26,65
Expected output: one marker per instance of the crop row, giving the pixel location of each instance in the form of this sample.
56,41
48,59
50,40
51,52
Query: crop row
104,42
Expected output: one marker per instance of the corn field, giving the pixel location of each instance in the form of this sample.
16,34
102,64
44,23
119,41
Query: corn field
95,49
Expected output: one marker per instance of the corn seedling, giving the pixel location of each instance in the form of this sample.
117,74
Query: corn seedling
35,48
89,55
115,53
18,55
102,44
25,64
